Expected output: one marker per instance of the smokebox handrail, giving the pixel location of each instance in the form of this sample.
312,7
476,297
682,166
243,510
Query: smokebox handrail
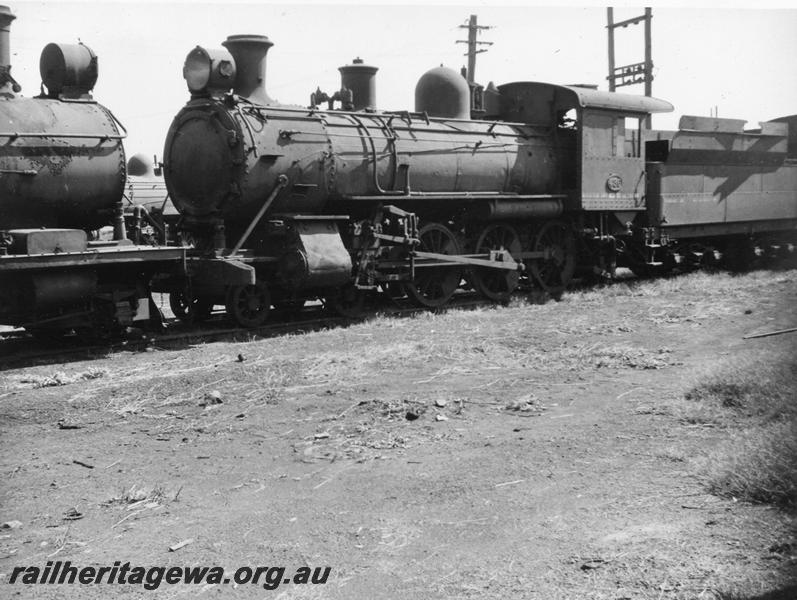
80,136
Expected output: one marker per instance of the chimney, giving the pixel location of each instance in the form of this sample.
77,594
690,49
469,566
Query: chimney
249,52
7,83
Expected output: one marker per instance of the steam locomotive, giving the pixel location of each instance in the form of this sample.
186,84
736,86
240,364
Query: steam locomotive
62,176
480,188
488,189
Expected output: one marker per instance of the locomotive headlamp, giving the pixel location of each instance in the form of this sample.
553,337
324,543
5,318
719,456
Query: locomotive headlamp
68,70
209,71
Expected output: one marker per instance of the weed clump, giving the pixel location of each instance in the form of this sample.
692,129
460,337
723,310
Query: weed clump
754,396
757,386
759,466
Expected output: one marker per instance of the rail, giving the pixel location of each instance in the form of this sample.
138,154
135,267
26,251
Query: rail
28,172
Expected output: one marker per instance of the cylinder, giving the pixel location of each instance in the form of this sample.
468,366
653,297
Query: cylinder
443,92
68,68
249,52
55,289
361,80
317,258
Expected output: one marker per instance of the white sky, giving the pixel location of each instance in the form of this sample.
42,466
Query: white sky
740,60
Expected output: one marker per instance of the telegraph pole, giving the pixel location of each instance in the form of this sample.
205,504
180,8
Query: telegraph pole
473,30
641,72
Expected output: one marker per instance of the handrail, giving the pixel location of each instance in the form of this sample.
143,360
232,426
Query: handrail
101,136
377,185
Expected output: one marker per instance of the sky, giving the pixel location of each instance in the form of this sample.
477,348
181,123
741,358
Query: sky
737,60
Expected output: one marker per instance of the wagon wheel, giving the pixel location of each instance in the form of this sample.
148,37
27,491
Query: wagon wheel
393,290
289,306
739,254
555,270
709,261
349,302
248,305
101,324
188,308
496,284
434,286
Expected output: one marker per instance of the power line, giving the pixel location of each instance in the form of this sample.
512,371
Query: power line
641,72
473,30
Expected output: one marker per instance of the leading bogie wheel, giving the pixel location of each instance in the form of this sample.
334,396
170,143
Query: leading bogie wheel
434,286
189,308
554,271
348,302
288,306
394,290
496,284
248,305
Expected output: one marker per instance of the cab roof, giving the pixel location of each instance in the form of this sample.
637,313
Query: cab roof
587,97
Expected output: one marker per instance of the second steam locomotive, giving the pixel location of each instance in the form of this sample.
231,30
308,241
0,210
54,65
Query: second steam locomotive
482,188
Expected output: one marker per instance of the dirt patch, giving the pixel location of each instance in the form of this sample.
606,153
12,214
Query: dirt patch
535,451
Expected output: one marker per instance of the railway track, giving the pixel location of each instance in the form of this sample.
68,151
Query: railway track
19,348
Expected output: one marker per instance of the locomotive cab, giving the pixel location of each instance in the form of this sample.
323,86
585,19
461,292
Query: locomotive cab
600,134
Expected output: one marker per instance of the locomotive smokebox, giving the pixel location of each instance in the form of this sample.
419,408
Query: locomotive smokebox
249,52
62,163
361,80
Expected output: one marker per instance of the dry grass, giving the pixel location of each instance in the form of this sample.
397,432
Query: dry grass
752,385
334,399
786,593
58,378
754,397
138,495
759,465
700,283
525,337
